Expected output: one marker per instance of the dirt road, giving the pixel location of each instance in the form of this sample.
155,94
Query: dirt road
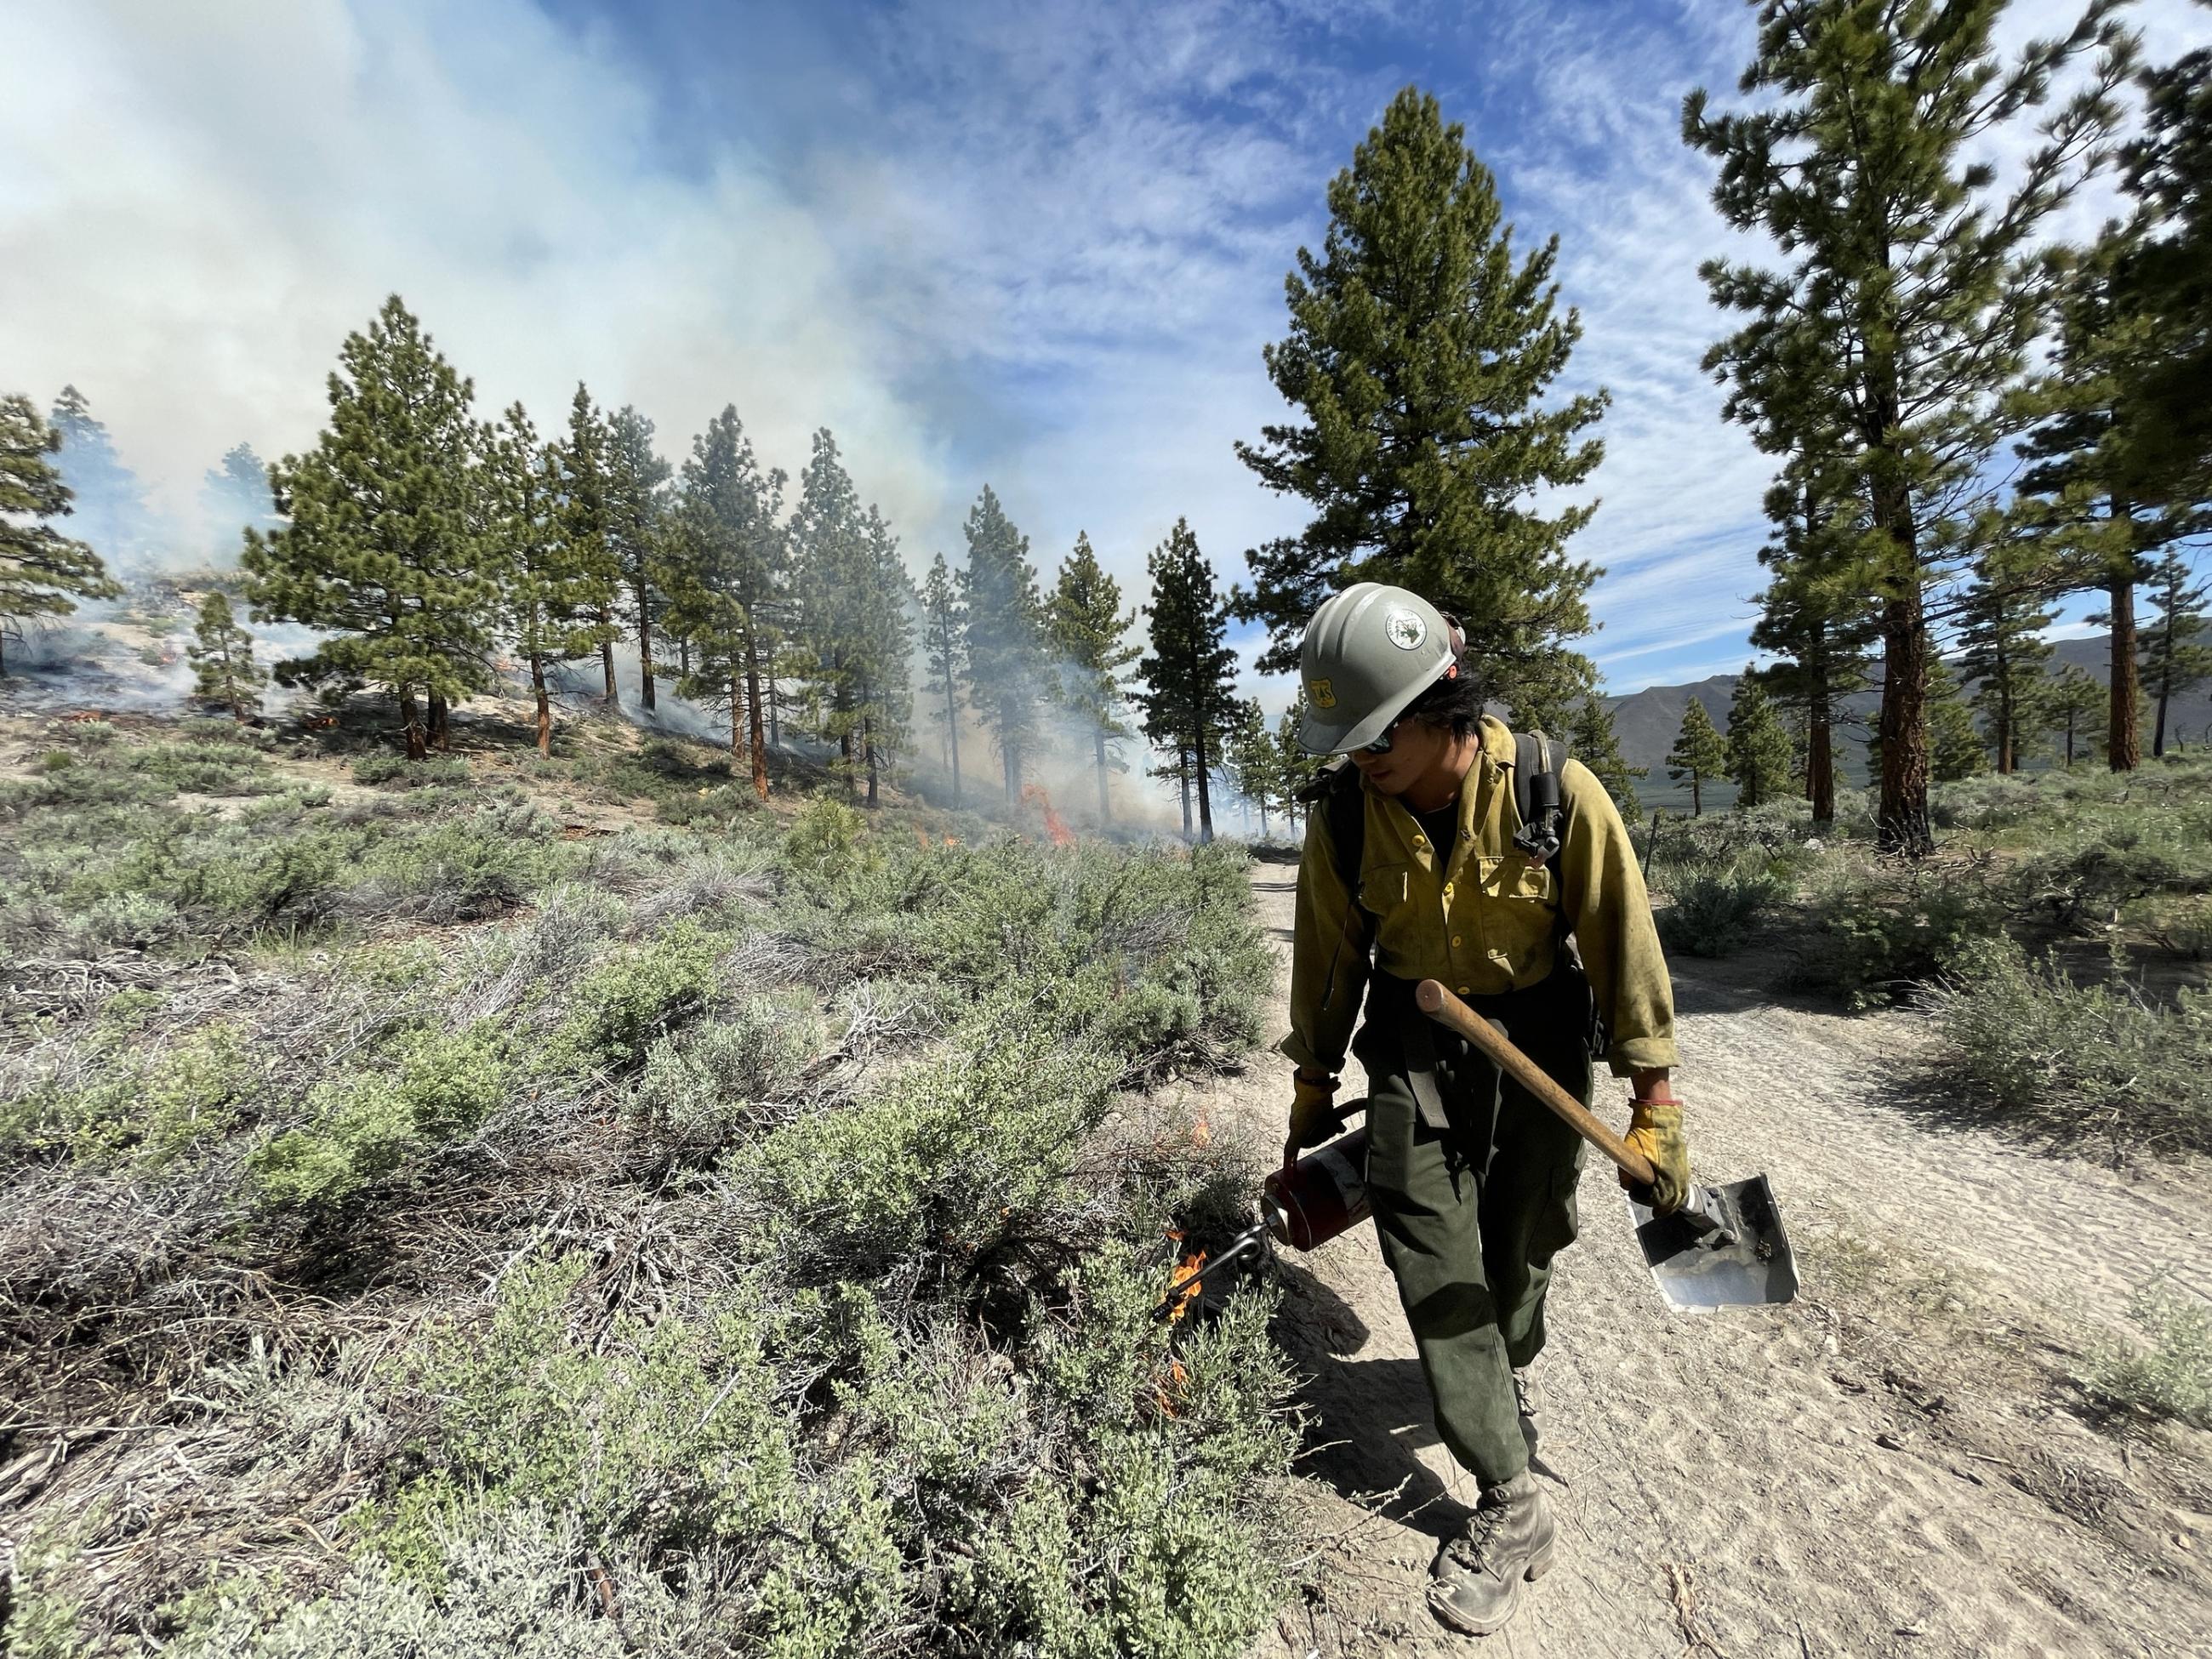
1894,1465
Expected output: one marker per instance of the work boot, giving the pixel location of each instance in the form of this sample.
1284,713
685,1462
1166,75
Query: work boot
1524,1400
1475,1585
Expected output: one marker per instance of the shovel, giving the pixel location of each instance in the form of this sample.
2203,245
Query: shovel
1724,1248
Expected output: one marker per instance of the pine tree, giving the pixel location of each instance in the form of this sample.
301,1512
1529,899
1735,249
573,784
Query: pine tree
1251,760
548,590
1698,754
379,551
2174,658
2163,282
2084,485
2076,701
1817,625
943,634
235,494
1085,624
1955,747
1590,736
42,572
637,510
726,576
2002,649
222,654
1421,355
851,640
108,503
1916,290
1006,634
1294,767
1757,743
586,517
1189,677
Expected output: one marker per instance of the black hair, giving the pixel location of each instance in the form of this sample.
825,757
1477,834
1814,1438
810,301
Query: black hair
1455,702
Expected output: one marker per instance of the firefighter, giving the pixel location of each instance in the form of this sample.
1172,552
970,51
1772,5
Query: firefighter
1411,872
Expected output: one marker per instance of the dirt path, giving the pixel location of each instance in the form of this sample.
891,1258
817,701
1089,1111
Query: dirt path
1884,1468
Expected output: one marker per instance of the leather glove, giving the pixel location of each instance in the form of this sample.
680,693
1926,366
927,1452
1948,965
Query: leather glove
1314,1117
1654,1129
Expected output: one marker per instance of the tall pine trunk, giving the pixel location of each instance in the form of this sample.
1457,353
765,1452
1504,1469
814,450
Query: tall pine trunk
868,749
441,735
774,710
544,706
417,748
2122,741
737,715
1182,769
1098,748
1204,796
645,644
2004,667
682,657
753,701
607,654
1820,752
2165,681
1697,796
953,729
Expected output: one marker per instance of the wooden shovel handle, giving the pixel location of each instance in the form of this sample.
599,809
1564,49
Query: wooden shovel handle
1437,1002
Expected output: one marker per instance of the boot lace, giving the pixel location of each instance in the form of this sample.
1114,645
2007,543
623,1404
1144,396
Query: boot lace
1470,1548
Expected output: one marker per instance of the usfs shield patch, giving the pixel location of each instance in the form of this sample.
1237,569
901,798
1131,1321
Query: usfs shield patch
1322,694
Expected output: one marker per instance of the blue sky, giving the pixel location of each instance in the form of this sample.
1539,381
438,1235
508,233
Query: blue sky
1036,245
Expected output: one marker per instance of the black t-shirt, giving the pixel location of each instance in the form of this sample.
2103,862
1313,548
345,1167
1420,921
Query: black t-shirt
1442,828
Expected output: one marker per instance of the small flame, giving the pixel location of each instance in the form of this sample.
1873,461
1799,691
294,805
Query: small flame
1183,1284
1055,827
1201,1133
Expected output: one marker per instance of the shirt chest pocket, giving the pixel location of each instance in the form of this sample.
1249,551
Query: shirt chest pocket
1385,889
1513,879
1518,906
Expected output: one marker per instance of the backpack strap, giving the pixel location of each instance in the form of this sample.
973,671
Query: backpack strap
1536,763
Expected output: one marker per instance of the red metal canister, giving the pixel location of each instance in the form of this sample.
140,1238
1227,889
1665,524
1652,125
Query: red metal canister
1324,1193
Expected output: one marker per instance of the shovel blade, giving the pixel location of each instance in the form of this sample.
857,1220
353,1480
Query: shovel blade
1744,1262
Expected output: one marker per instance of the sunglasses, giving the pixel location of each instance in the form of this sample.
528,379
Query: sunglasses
1381,743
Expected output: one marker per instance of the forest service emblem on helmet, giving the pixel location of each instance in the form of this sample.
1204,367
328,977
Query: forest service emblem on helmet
1323,693
1406,630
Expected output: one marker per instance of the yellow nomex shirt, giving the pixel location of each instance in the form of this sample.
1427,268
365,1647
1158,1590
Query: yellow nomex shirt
1487,922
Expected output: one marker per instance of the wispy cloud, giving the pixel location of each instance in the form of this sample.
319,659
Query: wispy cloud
1040,244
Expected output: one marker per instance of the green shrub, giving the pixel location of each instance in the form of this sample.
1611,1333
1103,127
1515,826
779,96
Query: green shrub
1713,911
947,1157
1876,928
156,1103
2075,1061
2171,1378
1168,1552
828,840
698,1086
411,774
506,1587
673,1433
431,1087
618,1009
55,760
206,767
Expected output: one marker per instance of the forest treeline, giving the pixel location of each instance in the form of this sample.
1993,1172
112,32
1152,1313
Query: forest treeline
435,554
1971,419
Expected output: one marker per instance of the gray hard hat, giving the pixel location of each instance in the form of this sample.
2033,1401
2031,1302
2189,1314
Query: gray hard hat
1369,652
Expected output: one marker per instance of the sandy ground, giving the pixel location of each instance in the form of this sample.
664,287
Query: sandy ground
1893,1465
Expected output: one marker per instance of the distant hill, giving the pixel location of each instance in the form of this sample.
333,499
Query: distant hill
1646,722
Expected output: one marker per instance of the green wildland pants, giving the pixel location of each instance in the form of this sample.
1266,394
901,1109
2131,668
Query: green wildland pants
1472,1211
